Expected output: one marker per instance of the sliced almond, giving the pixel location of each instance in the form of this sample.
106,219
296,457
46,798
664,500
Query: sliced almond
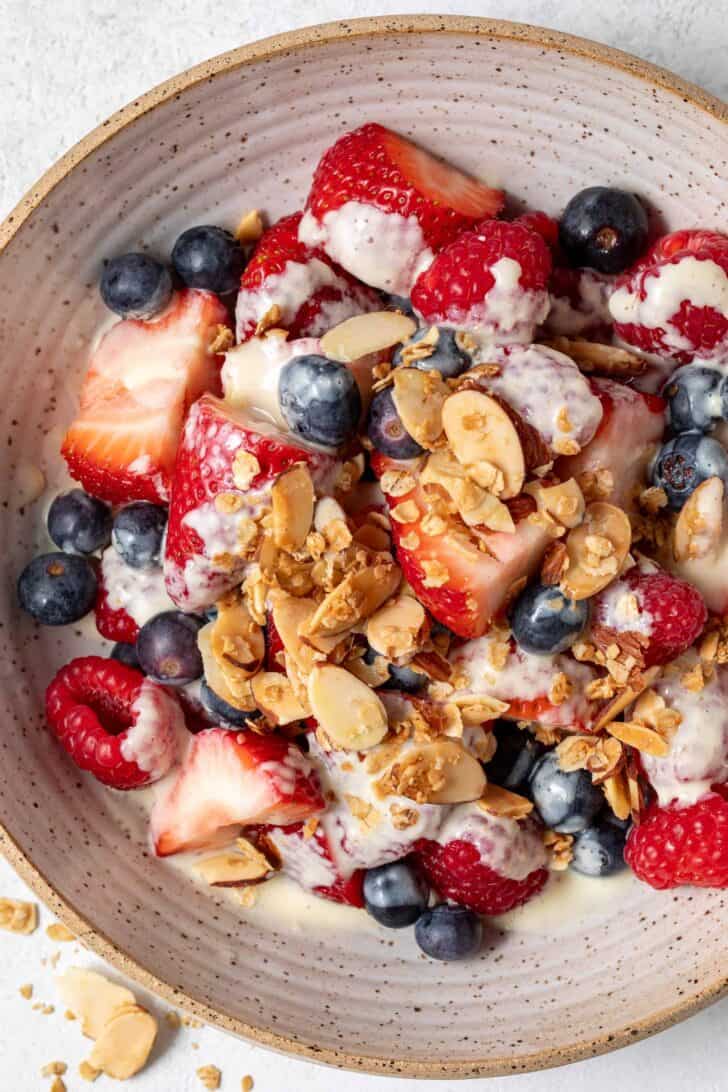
230,869
640,736
290,615
478,709
477,507
699,526
502,802
243,698
419,397
616,790
394,630
482,436
237,644
292,499
563,502
18,916
125,1043
596,550
441,772
275,697
349,712
591,356
373,674
356,598
364,334
92,998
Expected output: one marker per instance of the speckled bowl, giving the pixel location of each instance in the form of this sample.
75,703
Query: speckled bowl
538,112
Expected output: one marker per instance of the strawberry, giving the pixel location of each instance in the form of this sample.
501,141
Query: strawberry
675,300
113,624
142,378
491,281
229,780
381,207
307,859
488,864
682,845
312,292
204,552
626,413
121,727
463,587
666,614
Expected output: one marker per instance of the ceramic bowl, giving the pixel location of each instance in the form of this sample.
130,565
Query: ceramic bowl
537,112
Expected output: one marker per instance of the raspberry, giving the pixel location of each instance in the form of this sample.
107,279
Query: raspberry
113,624
543,225
456,872
675,846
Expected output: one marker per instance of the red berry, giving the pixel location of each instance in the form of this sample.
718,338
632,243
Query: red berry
674,846
456,872
543,225
299,850
115,625
121,727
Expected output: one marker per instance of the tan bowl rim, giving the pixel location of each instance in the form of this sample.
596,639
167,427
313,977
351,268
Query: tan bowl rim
263,49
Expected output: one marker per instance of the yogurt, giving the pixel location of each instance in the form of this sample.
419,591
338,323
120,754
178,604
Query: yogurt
139,592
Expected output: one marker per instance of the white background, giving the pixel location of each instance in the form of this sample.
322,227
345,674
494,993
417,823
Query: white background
64,66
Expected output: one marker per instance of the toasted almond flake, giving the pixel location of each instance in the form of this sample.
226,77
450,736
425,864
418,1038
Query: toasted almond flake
269,321
596,550
560,849
441,772
619,703
292,499
502,802
210,1076
247,1084
560,690
58,1085
242,697
125,1043
419,397
245,467
593,357
247,865
482,436
59,932
564,502
394,630
237,644
276,699
405,512
368,816
356,598
26,991
17,916
694,679
479,710
639,736
349,712
93,998
363,335
397,483
699,526
654,498
616,790
403,817
87,1072
476,506
250,227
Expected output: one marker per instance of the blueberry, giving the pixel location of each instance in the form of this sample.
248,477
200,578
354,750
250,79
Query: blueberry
400,303
126,654
545,621
386,431
78,523
138,533
220,711
693,398
686,461
599,850
449,932
167,648
135,286
603,228
57,589
407,679
567,802
516,755
209,257
447,357
319,399
395,894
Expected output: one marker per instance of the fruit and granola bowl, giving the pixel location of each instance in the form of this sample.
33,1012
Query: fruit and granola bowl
389,524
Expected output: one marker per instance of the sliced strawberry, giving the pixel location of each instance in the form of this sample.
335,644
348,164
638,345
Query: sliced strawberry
229,780
311,292
204,552
142,377
632,425
307,858
380,206
462,586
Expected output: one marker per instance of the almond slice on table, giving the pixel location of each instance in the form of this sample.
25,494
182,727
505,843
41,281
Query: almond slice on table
596,550
396,628
442,772
699,526
237,643
418,398
361,335
92,998
292,500
356,598
275,697
18,916
349,712
483,437
125,1043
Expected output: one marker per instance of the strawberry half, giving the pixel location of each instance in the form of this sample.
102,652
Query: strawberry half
142,378
308,860
230,780
460,585
206,551
312,292
626,413
381,207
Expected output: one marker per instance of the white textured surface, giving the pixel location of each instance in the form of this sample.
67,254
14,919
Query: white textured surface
64,67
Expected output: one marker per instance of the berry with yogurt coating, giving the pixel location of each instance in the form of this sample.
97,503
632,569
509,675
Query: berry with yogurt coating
686,461
603,228
78,523
682,845
491,281
441,350
135,286
395,894
675,301
449,933
57,589
381,207
545,621
567,802
386,431
138,533
167,648
320,400
208,257
311,292
694,395
599,850
308,858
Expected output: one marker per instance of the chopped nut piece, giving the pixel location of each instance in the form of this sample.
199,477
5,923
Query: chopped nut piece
560,690
223,340
653,499
560,849
596,485
397,483
58,1085
26,991
565,446
436,573
368,816
596,550
54,1069
87,1072
363,335
700,524
502,802
405,512
17,916
269,321
476,506
59,932
350,714
555,563
483,436
403,817
250,227
246,1085
275,697
694,679
292,499
245,468
210,1076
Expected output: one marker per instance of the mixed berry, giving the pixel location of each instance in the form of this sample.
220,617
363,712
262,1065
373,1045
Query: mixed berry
405,522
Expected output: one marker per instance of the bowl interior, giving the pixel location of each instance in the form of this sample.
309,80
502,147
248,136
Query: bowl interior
541,120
